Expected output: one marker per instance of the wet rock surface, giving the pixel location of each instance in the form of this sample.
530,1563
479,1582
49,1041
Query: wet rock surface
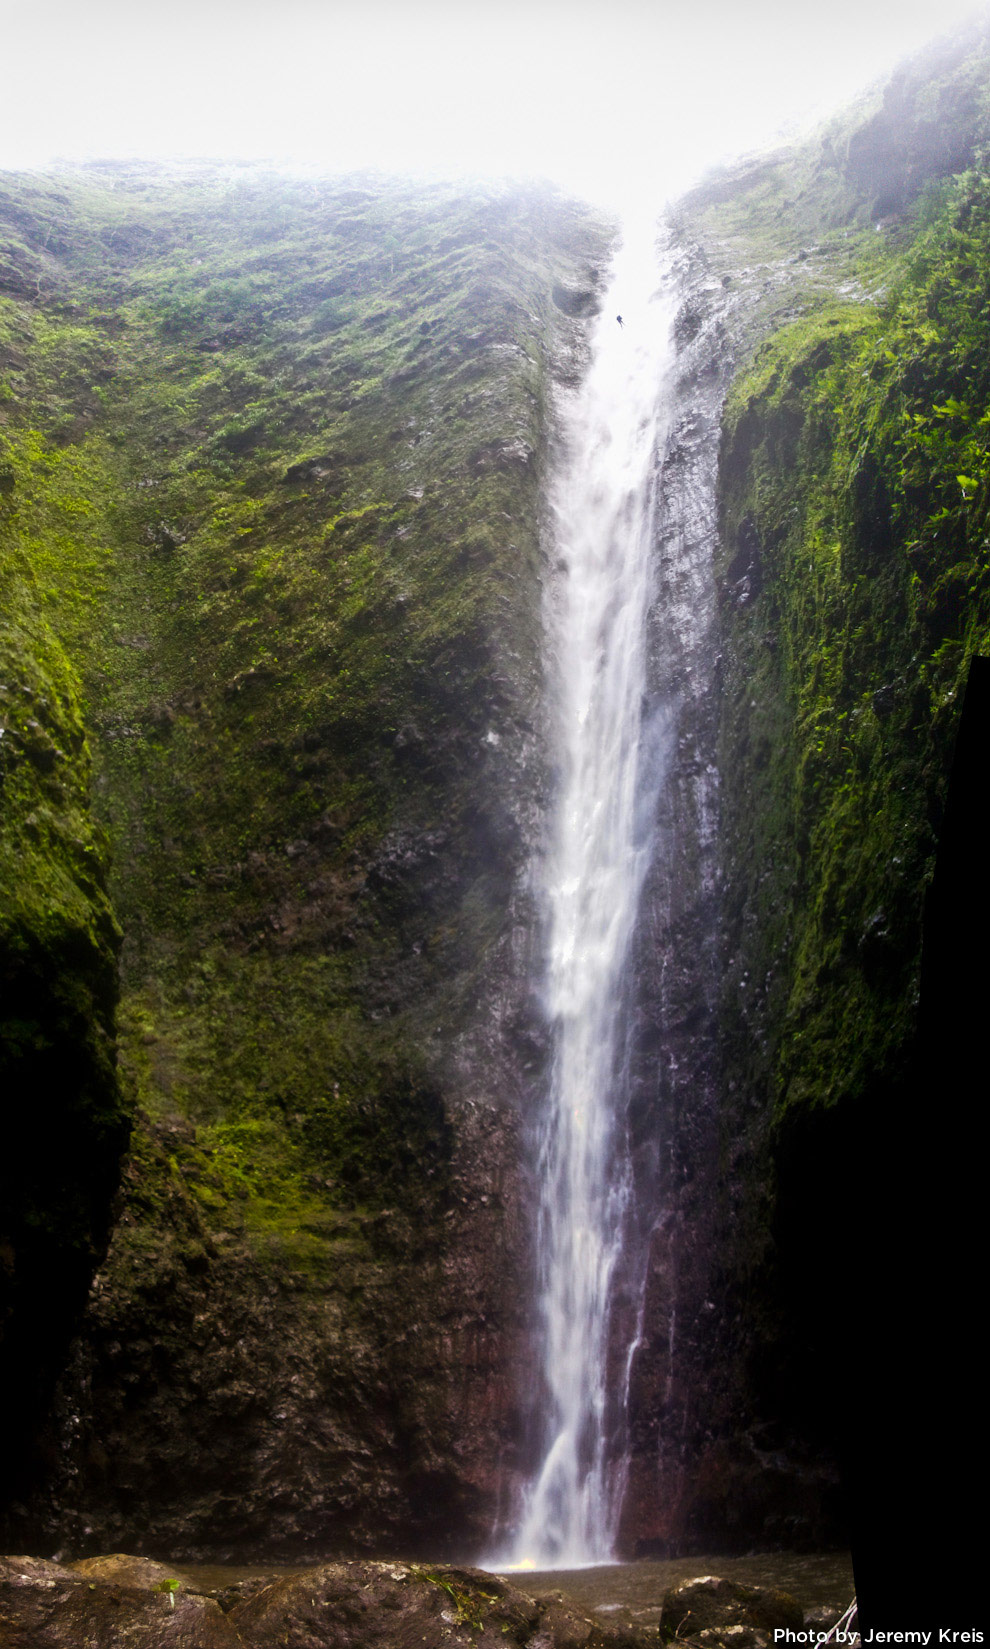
701,1475
395,1606
278,1406
347,1359
125,1605
124,1570
711,1604
307,1330
46,1606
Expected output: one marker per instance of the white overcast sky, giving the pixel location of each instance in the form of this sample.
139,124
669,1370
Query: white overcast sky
604,96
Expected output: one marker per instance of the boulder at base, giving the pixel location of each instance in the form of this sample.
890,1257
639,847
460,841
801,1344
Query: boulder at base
46,1606
410,1606
127,1570
710,1604
123,1602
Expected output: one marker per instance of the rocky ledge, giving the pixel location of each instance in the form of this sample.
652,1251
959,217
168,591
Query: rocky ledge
122,1602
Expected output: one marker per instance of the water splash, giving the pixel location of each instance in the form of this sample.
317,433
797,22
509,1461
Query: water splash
603,501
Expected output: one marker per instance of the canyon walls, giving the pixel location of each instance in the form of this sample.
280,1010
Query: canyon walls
275,763
851,585
275,455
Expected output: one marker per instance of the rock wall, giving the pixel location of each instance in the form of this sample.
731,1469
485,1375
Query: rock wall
274,528
65,1126
715,1461
305,427
850,576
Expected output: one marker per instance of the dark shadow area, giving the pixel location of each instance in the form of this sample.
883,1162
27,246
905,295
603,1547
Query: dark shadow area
918,1431
881,1207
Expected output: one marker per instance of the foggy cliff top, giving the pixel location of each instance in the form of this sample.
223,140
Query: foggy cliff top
606,104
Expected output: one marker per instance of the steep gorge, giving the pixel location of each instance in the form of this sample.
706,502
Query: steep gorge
270,491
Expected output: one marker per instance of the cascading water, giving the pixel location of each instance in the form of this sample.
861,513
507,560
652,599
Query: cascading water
603,502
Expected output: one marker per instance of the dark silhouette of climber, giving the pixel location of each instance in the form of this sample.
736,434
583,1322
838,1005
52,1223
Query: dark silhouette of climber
619,319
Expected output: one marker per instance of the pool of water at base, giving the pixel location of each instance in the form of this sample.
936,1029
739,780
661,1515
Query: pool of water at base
633,1592
630,1593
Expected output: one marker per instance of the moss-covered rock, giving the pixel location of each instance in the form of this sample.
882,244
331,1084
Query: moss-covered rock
853,594
275,453
270,490
121,1600
847,488
64,1123
372,1604
712,1604
46,1606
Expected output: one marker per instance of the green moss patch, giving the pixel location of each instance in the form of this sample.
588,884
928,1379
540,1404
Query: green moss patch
270,457
856,591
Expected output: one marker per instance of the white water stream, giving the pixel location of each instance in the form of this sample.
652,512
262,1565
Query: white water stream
603,503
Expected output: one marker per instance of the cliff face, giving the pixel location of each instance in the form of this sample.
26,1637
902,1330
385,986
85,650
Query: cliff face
64,1122
289,442
851,581
270,499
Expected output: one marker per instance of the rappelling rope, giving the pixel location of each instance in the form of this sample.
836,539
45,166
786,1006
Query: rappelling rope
843,1624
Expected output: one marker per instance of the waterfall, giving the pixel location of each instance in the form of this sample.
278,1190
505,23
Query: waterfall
603,500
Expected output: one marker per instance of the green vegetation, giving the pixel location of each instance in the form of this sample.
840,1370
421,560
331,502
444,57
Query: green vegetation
855,482
270,460
64,1121
270,456
469,1606
169,1587
269,466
